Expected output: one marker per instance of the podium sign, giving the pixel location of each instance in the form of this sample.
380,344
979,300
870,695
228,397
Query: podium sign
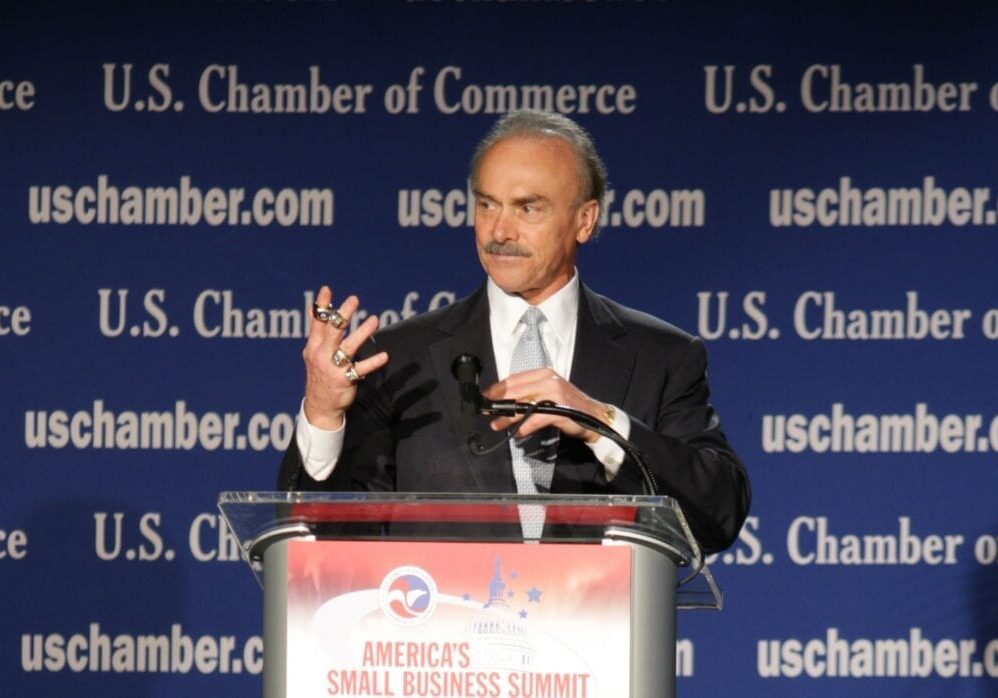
375,595
457,619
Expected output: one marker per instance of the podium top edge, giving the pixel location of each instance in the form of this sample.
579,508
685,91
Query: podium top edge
272,497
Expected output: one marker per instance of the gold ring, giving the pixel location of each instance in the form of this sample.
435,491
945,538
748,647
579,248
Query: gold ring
352,375
341,358
328,314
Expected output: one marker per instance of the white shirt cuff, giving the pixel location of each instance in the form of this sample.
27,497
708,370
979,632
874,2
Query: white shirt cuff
319,448
606,451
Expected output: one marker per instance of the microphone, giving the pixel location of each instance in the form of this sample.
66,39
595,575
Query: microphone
466,368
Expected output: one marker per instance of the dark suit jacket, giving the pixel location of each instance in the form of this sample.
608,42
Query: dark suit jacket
406,431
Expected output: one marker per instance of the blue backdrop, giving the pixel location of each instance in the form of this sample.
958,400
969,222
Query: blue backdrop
808,187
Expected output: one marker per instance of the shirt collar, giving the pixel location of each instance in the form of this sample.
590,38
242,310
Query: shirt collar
561,309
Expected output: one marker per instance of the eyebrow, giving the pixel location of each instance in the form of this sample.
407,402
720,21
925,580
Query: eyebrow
532,199
520,201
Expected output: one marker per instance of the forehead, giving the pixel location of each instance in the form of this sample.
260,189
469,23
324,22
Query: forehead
542,164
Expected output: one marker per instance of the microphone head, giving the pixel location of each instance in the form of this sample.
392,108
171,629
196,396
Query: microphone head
466,367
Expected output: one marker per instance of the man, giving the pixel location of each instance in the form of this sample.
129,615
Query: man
538,184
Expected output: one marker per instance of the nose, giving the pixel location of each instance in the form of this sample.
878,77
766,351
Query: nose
502,225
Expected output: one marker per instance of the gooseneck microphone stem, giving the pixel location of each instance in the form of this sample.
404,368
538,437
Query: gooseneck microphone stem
466,368
511,408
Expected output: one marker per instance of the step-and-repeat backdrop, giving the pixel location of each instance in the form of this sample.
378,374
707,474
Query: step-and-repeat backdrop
809,187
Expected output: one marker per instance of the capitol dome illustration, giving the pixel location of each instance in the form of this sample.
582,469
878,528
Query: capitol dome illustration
497,637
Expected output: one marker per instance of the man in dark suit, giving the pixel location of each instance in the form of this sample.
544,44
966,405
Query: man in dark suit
538,183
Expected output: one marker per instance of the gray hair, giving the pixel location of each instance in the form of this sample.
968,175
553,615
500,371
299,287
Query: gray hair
531,123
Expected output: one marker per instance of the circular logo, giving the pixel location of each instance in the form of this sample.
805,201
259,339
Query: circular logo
408,595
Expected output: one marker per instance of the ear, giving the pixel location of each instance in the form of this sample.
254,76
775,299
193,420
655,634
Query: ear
586,218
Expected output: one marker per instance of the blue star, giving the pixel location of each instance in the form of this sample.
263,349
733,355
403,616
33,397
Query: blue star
523,613
466,596
534,595
510,594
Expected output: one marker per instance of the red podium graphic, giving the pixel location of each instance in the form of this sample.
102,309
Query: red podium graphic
457,619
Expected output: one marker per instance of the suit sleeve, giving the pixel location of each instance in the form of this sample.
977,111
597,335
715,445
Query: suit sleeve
690,456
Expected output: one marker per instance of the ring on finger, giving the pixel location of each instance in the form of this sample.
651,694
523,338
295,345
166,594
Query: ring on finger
352,375
341,358
328,314
321,312
336,319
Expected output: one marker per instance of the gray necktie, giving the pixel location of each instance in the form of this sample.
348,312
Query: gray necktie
534,456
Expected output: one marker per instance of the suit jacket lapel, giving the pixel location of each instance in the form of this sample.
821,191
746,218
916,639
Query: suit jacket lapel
602,365
469,332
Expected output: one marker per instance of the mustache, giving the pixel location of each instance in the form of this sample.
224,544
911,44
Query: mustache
506,248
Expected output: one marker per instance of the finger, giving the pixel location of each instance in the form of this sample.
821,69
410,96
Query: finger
329,337
535,421
526,427
363,369
532,392
500,423
518,384
356,339
371,364
346,310
315,332
324,296
495,391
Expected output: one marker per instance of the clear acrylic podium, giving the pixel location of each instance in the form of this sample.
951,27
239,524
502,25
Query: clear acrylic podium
288,537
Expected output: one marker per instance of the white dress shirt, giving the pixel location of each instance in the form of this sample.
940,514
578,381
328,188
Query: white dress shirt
320,448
